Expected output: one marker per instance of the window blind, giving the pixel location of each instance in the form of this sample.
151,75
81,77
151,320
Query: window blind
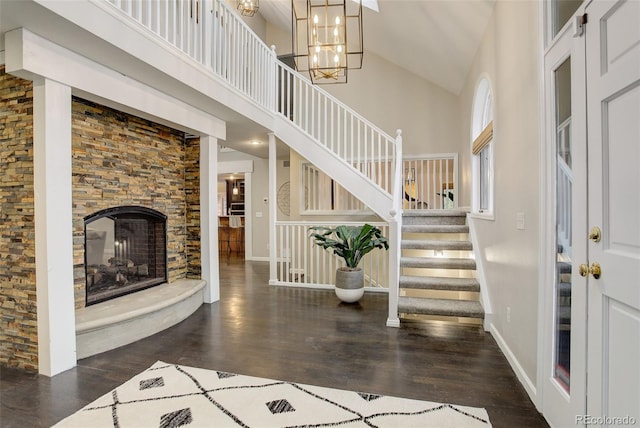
483,139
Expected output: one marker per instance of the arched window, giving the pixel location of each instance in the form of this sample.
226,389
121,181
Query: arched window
482,150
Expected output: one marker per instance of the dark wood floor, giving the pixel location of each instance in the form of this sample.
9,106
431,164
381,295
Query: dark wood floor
305,336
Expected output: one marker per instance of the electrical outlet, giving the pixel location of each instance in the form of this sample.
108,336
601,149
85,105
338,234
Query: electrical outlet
508,314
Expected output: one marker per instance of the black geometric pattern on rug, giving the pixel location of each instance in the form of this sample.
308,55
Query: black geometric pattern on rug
280,406
224,375
184,416
369,397
422,412
155,382
176,419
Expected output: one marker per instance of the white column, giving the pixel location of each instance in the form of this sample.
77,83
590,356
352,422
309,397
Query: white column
248,215
394,274
209,218
53,226
273,208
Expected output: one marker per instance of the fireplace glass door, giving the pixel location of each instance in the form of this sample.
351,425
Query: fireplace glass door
125,251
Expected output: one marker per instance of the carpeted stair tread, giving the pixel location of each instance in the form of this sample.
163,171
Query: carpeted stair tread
437,263
435,228
439,283
433,244
433,217
441,307
434,213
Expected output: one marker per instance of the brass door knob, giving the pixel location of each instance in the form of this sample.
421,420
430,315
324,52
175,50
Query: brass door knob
594,270
595,234
583,269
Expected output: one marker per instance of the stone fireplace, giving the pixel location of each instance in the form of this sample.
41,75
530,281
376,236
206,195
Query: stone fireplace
117,160
125,251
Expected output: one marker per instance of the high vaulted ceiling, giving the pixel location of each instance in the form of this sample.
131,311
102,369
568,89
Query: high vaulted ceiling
435,39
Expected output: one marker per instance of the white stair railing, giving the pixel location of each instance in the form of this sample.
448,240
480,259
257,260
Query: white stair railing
337,127
211,33
302,263
430,181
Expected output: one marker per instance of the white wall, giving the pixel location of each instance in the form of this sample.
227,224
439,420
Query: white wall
255,22
297,195
508,57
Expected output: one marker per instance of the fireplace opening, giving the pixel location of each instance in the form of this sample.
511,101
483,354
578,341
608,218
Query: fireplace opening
125,251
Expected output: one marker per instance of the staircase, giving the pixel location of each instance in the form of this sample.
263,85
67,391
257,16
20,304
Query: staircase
223,60
437,280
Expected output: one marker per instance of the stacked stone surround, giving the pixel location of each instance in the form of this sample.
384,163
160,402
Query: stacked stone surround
118,159
18,329
192,189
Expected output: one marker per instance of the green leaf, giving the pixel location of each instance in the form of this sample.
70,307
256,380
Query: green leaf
351,243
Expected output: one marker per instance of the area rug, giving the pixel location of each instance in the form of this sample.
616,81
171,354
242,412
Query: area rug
168,396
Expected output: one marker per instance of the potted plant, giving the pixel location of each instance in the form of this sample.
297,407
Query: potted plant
351,243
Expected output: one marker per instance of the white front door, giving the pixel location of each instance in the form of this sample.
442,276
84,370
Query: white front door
564,369
613,130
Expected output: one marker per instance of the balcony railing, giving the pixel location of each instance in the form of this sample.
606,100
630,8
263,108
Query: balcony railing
213,34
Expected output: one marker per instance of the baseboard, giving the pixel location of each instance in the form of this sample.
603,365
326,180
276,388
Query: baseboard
528,385
258,259
487,323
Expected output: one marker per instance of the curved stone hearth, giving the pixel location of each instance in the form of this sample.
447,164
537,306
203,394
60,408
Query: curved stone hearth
124,320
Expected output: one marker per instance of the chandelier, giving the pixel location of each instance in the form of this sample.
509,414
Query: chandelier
248,7
327,38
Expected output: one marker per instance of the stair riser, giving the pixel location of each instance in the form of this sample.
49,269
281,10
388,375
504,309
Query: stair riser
446,220
439,264
436,245
436,254
408,309
438,228
439,294
439,287
437,313
408,305
405,318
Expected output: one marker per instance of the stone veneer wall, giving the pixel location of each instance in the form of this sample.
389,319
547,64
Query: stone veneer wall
18,329
120,159
192,188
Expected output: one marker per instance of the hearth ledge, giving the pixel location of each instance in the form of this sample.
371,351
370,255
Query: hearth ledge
129,318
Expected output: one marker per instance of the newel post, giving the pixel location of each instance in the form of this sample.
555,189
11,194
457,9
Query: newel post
395,235
273,210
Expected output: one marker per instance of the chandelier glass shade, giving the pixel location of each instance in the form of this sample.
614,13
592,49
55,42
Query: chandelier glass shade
248,7
327,38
